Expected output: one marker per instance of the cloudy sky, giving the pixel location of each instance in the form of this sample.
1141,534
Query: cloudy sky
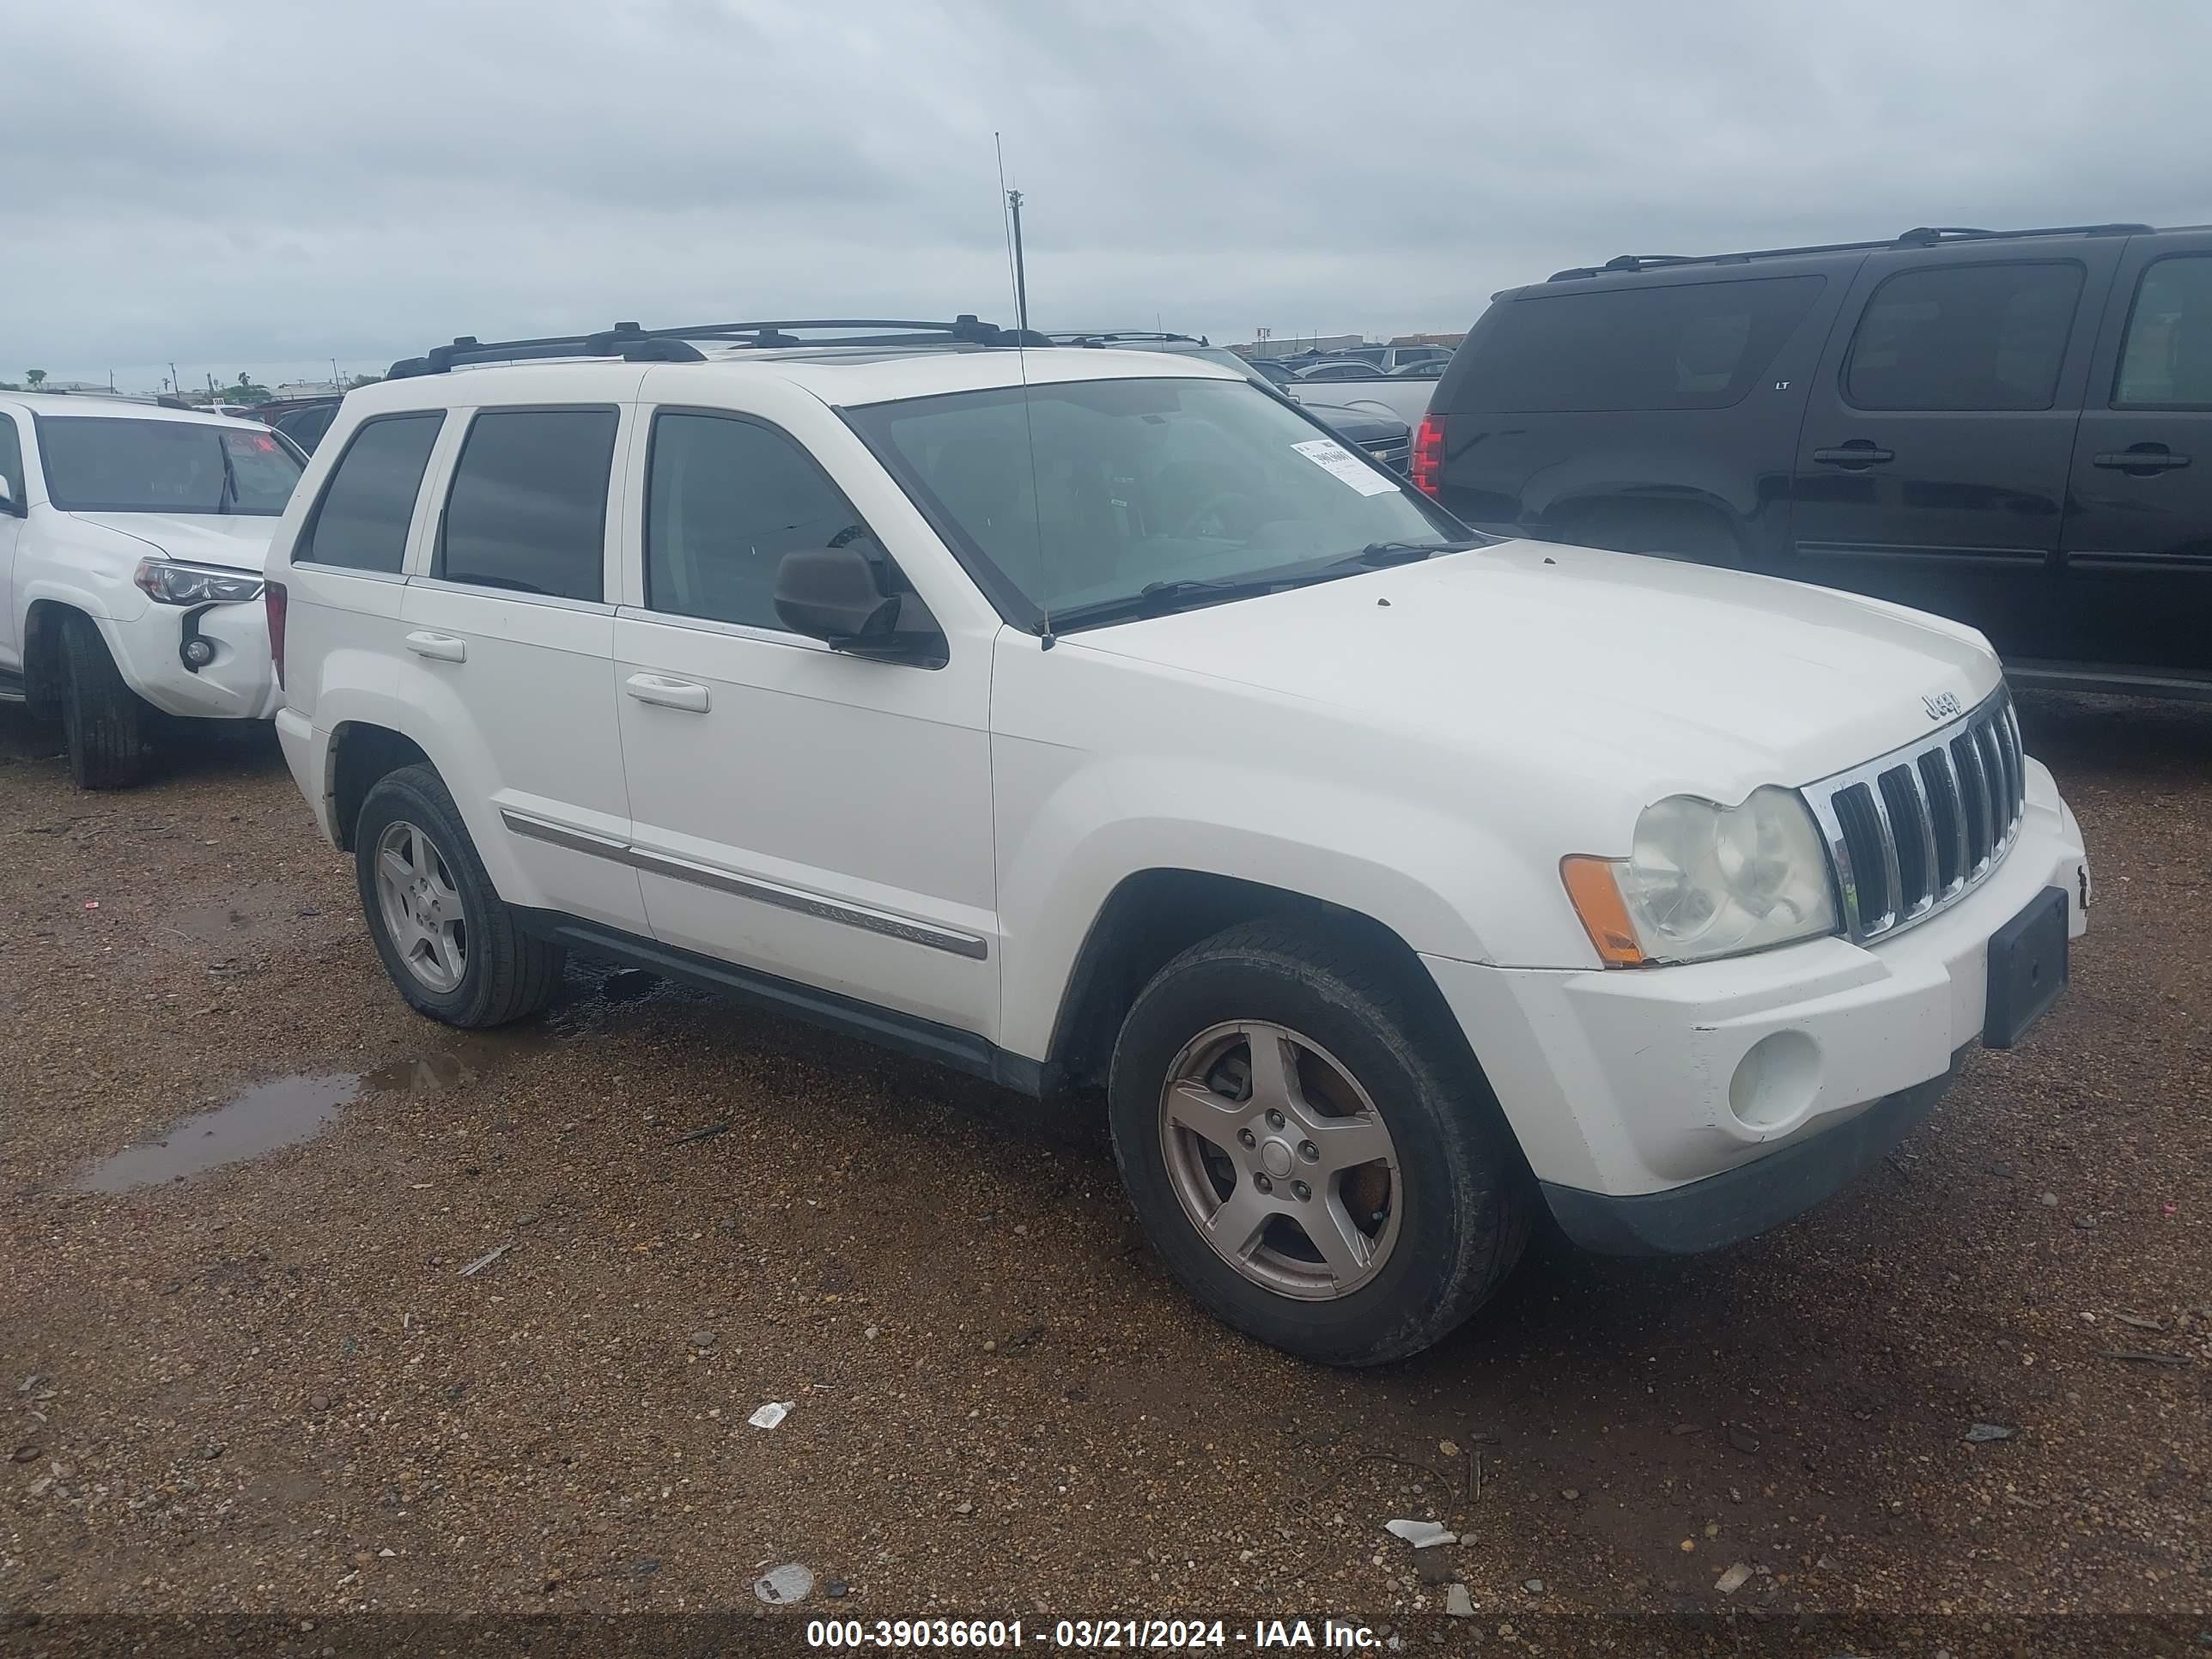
266,187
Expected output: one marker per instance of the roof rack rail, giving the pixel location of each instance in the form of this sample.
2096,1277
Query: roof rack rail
632,344
1918,236
1105,337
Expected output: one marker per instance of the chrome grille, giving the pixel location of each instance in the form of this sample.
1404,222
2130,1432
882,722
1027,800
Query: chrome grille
1394,453
1911,833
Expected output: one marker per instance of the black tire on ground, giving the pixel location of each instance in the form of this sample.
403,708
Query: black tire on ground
508,974
1465,1195
104,721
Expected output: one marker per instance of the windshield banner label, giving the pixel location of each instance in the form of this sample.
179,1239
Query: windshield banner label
1334,459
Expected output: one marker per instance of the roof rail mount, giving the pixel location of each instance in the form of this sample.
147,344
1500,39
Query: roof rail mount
1918,236
1107,336
676,345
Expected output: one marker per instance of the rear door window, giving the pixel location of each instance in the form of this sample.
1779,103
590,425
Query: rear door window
360,523
528,507
727,500
2167,362
1988,336
1683,345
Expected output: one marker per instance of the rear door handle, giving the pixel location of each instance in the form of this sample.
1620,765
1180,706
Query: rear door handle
442,646
1859,453
664,693
2143,458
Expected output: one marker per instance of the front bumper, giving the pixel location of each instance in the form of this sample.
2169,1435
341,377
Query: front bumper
1627,1088
239,684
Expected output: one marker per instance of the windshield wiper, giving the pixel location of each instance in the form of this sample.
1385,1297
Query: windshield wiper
229,492
1376,555
1161,599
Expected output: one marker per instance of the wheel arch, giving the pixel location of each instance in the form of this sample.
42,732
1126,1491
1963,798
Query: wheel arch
42,650
361,752
1153,915
1680,521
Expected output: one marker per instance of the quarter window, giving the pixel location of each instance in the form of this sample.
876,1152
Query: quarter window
1964,336
11,460
727,500
528,507
2167,362
360,523
1680,345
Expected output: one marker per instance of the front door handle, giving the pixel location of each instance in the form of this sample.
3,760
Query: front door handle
2142,459
444,647
664,693
1859,452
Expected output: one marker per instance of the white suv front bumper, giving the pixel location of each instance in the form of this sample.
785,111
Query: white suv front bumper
239,684
1639,1110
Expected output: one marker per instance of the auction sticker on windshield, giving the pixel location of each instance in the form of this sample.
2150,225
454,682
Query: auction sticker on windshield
1335,459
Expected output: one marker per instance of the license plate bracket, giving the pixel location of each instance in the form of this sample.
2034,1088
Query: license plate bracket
2027,968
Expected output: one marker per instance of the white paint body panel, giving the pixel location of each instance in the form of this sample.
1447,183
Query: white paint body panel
1421,744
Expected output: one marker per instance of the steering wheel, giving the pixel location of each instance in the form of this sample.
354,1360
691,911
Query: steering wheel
1212,506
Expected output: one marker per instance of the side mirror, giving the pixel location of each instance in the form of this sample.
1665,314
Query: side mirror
839,594
8,501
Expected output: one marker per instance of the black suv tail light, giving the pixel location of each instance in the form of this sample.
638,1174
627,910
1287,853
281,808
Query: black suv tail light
273,599
1427,470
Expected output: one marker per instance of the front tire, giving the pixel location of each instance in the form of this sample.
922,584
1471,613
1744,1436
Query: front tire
103,720
1319,1165
449,942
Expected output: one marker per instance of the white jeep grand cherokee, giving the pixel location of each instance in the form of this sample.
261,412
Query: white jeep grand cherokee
1073,717
132,542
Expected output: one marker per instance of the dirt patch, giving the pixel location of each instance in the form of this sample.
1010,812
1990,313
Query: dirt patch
1000,1404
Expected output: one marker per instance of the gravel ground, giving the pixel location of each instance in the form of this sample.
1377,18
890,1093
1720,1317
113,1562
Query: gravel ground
271,1388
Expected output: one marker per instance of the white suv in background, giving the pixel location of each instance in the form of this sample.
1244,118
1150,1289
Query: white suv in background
1076,717
132,542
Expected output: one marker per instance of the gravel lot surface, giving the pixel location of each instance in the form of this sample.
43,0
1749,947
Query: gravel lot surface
302,1382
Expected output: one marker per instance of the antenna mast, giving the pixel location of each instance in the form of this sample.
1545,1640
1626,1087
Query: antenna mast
1021,273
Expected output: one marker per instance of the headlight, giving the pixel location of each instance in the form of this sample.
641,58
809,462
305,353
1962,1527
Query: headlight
172,581
1702,880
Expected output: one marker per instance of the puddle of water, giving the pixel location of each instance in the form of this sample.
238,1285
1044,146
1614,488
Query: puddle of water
268,1115
293,1109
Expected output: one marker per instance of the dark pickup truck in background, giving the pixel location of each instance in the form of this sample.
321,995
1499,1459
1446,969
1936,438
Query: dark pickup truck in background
2013,429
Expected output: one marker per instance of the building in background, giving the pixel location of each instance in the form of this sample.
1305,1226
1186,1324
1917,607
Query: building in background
1297,346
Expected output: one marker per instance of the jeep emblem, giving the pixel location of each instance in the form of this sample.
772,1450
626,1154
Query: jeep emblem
1941,705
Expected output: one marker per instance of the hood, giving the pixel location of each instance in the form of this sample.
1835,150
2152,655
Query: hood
1661,677
1371,425
240,540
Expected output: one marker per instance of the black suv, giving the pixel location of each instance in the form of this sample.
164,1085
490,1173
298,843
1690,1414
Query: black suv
2010,428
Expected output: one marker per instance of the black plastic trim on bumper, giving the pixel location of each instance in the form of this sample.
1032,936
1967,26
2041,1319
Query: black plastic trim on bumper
1739,1203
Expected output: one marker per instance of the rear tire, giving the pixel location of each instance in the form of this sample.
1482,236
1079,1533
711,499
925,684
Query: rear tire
1440,1194
104,721
474,969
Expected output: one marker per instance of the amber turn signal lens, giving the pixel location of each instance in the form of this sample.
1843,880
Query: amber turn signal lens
1596,898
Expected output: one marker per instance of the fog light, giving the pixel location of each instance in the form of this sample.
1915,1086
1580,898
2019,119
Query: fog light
1775,1080
198,653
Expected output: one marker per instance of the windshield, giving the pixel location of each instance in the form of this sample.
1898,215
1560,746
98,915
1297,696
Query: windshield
1138,483
96,464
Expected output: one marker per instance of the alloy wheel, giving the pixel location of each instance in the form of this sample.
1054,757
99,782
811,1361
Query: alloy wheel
1280,1159
422,908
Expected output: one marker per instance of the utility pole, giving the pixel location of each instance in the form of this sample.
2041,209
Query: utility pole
335,385
1021,275
176,386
